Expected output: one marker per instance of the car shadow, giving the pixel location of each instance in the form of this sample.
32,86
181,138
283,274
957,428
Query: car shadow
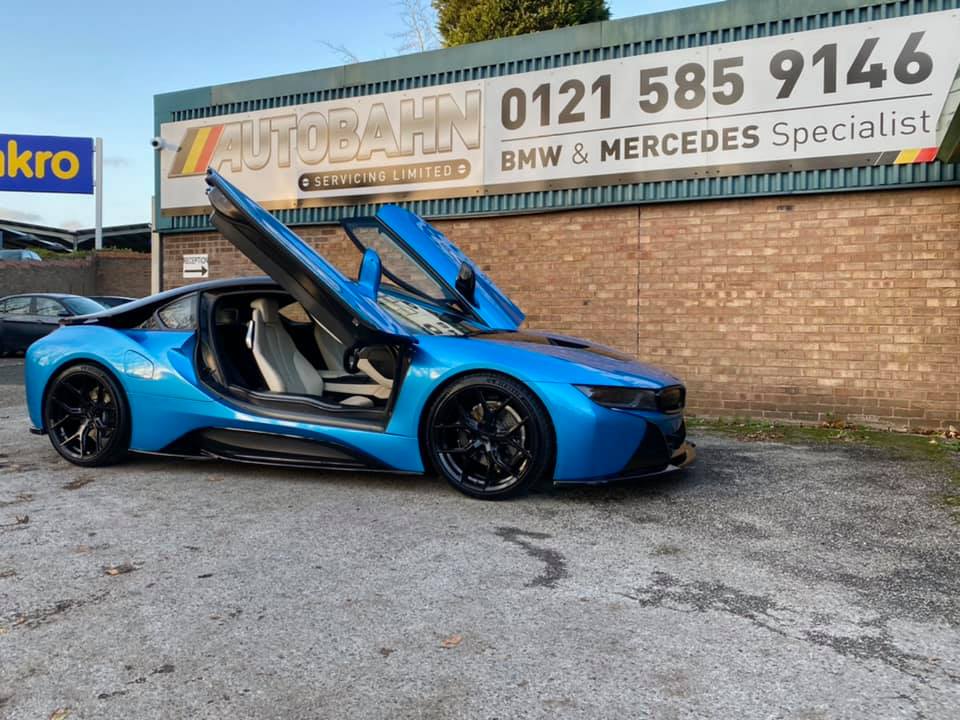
671,484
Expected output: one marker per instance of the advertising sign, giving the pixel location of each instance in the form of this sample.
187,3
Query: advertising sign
403,142
863,94
43,163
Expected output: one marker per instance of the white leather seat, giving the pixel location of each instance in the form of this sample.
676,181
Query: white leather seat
282,365
331,350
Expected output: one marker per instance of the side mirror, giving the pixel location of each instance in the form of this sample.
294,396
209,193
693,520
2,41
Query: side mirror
467,282
371,271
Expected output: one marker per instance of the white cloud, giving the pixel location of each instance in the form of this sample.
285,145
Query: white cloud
20,216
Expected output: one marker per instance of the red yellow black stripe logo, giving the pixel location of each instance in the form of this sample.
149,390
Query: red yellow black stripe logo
195,151
916,155
911,156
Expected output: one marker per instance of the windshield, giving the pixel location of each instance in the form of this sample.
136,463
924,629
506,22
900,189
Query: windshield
424,320
82,305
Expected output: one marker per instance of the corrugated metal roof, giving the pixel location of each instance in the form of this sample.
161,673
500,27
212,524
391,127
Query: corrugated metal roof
688,27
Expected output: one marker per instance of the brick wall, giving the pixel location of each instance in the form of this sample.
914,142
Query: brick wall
126,274
107,273
66,276
805,307
795,308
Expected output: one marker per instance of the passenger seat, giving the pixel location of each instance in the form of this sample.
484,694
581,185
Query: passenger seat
282,365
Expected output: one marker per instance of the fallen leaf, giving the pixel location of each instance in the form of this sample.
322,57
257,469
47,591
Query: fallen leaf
451,642
78,482
215,478
120,569
60,714
23,519
7,572
387,652
3,630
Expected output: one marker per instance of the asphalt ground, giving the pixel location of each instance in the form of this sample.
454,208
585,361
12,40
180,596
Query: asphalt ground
769,581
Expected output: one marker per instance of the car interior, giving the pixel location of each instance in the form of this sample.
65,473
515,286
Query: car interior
266,344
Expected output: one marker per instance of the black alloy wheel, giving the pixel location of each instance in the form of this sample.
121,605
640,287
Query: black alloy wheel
86,416
490,437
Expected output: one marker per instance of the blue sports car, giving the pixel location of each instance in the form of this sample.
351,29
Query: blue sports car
417,364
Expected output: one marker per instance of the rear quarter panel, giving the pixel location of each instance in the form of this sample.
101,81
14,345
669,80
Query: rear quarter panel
155,365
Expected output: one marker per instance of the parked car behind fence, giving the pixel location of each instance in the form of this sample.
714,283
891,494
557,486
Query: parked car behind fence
26,318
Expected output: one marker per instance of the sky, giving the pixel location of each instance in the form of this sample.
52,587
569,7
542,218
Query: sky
92,68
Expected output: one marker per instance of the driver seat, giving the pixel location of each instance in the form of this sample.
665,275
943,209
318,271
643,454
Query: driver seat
283,366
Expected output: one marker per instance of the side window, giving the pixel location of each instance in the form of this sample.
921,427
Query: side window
294,312
399,268
17,306
180,314
48,307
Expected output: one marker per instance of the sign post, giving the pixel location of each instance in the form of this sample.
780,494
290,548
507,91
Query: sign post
98,197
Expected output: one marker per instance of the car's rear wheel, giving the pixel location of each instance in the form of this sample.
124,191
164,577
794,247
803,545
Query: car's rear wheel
87,417
490,437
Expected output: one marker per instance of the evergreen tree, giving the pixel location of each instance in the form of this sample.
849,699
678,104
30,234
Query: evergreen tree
466,21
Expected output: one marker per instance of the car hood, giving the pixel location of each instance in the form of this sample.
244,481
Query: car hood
607,365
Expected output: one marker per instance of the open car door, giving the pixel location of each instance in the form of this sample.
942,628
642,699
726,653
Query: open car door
402,235
344,307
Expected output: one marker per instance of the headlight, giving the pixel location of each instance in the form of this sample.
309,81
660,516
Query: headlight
620,397
668,400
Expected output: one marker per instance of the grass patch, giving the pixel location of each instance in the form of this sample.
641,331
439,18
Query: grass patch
941,449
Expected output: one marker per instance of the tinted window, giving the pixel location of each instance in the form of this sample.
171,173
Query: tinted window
179,315
17,306
82,305
48,307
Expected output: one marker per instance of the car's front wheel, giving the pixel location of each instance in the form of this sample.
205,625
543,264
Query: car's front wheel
87,417
490,436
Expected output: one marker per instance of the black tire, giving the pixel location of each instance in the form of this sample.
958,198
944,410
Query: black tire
489,436
87,416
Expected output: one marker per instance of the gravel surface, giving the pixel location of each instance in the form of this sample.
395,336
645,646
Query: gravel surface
769,581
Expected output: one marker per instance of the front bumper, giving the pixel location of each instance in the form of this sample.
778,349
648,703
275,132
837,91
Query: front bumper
656,454
682,458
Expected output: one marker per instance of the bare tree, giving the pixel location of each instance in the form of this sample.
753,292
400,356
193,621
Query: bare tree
346,55
419,33
419,26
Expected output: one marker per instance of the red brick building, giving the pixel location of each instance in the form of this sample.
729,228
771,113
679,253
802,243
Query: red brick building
801,289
